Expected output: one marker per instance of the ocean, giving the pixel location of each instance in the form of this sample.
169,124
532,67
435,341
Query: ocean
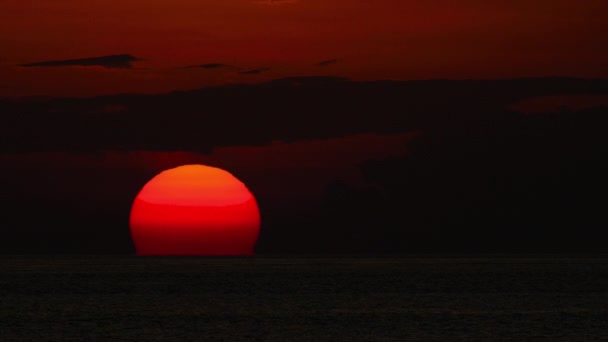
303,298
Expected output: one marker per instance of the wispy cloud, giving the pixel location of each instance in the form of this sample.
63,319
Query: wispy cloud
111,62
327,62
210,66
253,71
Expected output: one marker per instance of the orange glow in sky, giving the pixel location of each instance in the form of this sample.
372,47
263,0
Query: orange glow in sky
382,39
195,210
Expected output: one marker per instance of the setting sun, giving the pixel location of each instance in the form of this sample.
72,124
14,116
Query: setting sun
195,210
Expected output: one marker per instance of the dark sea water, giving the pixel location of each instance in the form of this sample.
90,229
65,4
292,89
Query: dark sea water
108,298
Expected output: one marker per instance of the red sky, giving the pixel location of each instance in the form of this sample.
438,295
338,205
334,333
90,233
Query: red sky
380,39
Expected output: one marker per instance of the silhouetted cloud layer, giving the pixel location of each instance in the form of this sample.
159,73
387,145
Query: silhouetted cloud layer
462,172
112,62
288,109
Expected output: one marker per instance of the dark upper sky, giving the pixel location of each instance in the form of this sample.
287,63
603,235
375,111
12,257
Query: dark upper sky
71,47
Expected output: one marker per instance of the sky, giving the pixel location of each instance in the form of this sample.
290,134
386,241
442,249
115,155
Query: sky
316,152
243,41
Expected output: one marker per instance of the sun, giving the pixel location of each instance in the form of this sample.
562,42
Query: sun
195,210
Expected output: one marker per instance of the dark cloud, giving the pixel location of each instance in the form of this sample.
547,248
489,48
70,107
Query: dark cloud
327,62
490,180
213,65
210,66
286,109
253,71
112,62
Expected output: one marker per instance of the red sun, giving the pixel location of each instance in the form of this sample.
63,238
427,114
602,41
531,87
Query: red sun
195,210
